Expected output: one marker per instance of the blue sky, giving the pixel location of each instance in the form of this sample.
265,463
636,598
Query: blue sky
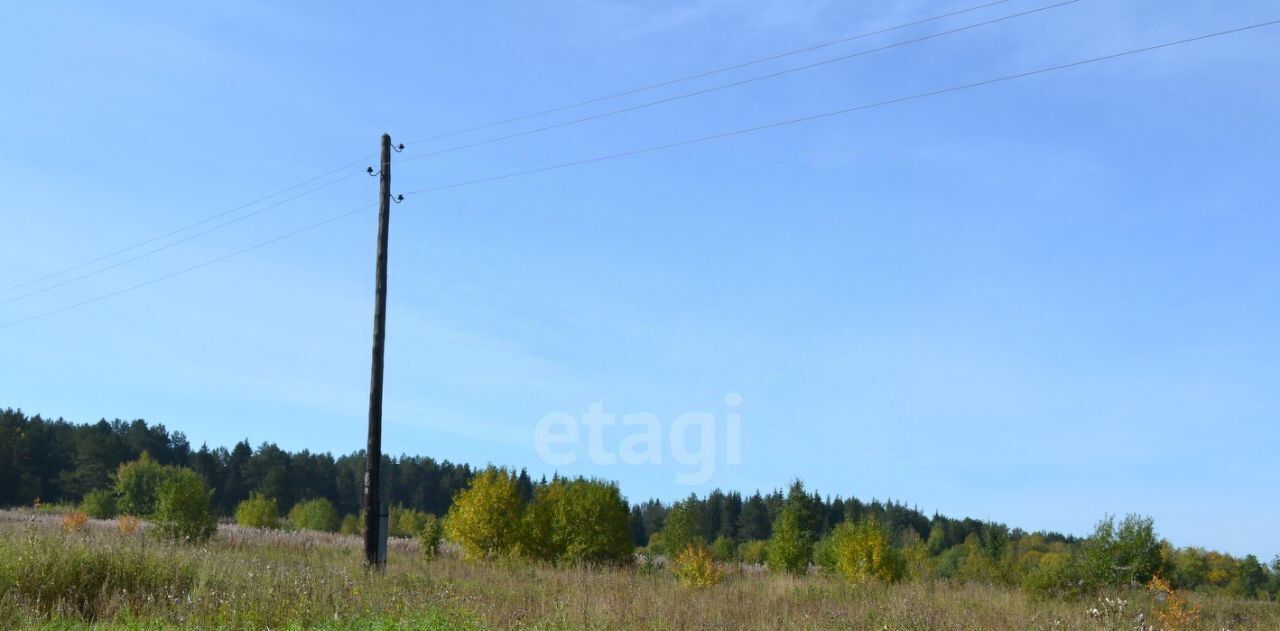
1035,302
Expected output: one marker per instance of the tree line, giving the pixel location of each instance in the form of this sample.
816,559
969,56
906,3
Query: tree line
144,470
56,461
738,518
890,543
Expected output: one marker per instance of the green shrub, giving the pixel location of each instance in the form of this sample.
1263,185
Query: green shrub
680,529
350,525
591,523
753,552
723,549
790,547
405,522
430,535
947,564
916,562
1124,555
137,485
655,547
259,511
824,553
99,504
580,521
1056,575
984,557
317,514
537,539
182,507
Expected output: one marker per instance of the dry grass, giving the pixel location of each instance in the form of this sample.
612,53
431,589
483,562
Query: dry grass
74,522
250,579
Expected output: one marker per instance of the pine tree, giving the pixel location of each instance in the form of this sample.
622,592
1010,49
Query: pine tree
730,515
639,536
753,522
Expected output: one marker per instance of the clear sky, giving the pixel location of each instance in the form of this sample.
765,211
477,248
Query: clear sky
1036,302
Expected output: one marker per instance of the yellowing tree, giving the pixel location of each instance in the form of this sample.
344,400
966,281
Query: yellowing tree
485,517
915,557
862,552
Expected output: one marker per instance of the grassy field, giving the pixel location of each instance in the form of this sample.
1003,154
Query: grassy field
99,577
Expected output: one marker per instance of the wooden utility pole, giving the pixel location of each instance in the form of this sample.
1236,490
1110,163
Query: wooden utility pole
375,534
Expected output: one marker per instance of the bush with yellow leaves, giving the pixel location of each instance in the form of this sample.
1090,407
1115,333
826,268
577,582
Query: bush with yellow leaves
861,551
1174,611
696,568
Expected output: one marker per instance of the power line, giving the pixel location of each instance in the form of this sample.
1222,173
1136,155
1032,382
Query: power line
174,243
644,88
847,110
742,82
181,229
708,73
922,95
189,269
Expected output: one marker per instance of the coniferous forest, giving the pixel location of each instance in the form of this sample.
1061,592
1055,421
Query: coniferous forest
59,462
56,461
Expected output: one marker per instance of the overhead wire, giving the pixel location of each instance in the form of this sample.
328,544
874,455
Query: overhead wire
712,72
192,268
652,86
171,244
742,82
180,229
776,124
847,110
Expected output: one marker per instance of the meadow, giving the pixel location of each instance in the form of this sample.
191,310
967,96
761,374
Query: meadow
113,574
